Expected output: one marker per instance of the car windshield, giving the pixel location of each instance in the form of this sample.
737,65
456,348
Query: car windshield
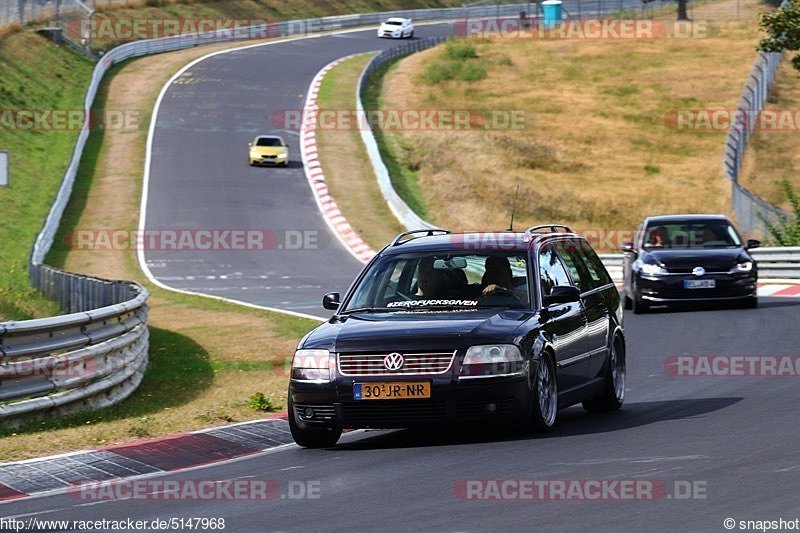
691,234
394,23
269,141
442,281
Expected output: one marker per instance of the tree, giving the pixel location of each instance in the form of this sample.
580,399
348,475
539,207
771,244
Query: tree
782,27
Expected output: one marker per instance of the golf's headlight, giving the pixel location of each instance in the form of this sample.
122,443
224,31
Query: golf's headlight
493,360
312,365
652,269
282,155
745,266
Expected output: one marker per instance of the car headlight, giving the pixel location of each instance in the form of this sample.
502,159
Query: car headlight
652,269
312,365
282,155
746,266
493,360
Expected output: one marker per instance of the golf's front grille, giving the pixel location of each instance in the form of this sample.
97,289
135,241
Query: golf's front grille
387,364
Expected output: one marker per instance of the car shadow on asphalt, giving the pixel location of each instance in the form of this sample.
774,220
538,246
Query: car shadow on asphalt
571,422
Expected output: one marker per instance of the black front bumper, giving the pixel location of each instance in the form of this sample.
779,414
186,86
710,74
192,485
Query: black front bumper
485,400
670,289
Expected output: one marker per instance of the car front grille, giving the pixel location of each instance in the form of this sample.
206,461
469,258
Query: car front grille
392,412
351,364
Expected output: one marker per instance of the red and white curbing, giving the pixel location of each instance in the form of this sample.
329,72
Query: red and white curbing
316,178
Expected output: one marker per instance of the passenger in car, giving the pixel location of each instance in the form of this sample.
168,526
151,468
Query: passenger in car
430,282
657,237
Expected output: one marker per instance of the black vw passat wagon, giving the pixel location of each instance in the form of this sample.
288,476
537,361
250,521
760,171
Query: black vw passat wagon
688,258
458,328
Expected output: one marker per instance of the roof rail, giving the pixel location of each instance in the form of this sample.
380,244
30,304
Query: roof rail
553,228
433,231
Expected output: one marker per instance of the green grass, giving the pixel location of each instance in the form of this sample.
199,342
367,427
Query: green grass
36,75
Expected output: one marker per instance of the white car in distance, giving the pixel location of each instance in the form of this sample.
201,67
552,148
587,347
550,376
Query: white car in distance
396,28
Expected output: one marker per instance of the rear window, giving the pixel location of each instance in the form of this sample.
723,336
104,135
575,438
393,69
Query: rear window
269,141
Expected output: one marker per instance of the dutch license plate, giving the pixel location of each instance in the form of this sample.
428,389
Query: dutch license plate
699,284
391,390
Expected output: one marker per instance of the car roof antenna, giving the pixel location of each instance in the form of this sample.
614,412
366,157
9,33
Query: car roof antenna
513,209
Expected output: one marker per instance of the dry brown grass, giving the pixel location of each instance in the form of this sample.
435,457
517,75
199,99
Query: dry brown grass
594,151
346,164
773,156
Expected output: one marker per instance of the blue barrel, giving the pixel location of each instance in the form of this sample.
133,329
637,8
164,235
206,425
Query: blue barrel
551,13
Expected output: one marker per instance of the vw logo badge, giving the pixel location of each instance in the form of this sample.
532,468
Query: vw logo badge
698,271
393,361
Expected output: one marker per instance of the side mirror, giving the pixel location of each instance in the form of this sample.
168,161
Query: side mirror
249,144
331,301
563,294
627,247
752,243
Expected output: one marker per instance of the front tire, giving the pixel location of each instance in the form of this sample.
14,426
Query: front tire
613,395
638,305
545,396
751,303
323,437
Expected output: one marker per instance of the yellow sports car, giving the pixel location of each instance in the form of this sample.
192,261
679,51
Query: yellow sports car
268,150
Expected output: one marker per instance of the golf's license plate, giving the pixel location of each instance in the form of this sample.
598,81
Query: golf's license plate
699,284
391,390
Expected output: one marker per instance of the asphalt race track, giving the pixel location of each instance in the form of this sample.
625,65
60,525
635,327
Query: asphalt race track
736,437
200,178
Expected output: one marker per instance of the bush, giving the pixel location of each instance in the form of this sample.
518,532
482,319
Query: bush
259,402
460,49
786,232
439,71
472,72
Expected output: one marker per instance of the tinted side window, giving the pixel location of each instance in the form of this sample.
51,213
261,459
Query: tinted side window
551,271
570,254
596,269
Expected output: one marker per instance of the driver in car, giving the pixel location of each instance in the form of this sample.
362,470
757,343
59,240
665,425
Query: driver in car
498,278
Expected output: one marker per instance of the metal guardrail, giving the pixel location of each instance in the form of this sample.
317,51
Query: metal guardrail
750,210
